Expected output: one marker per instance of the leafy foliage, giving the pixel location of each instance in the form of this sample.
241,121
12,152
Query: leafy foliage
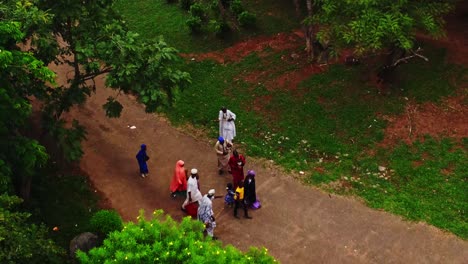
95,41
247,19
373,25
21,76
219,27
106,221
113,108
169,20
195,24
236,7
164,240
22,242
185,4
197,10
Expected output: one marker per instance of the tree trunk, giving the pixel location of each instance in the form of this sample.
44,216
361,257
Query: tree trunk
309,33
25,188
298,7
386,73
222,10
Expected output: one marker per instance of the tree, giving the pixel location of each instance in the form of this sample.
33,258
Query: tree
21,76
370,26
92,40
163,240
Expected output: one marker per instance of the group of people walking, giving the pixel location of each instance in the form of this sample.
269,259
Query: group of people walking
241,193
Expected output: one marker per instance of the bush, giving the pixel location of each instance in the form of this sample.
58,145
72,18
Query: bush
214,7
219,28
195,24
106,221
197,10
163,240
236,7
247,19
185,4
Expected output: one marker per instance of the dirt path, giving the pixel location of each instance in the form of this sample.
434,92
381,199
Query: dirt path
298,224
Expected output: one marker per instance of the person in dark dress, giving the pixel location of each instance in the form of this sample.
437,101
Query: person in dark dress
142,158
249,188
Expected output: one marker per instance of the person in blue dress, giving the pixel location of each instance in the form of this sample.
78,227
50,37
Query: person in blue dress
142,158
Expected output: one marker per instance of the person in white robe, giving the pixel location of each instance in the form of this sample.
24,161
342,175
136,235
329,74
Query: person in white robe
193,193
227,127
205,213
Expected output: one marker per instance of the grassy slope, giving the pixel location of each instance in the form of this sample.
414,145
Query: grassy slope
154,18
331,139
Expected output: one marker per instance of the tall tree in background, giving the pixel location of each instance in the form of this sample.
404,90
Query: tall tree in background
370,26
90,40
309,31
21,76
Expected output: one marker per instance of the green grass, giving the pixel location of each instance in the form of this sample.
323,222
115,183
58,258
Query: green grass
423,81
332,121
428,183
330,126
69,206
154,18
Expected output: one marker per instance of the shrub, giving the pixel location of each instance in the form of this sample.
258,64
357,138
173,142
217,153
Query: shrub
236,7
106,221
195,24
185,4
163,240
219,28
197,10
214,7
247,19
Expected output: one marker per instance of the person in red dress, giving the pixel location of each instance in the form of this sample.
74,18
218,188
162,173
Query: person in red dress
237,163
179,180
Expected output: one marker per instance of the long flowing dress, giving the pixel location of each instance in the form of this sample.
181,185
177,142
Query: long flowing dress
205,214
227,129
237,169
142,158
250,195
223,153
179,180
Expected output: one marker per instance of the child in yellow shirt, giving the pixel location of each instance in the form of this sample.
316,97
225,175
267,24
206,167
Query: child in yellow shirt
240,201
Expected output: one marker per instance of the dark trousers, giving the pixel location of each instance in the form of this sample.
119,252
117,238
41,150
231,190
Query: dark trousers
240,203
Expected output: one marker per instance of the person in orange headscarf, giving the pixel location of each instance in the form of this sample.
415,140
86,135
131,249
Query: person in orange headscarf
179,180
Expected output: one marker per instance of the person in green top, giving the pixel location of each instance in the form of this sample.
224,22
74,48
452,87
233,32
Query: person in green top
240,201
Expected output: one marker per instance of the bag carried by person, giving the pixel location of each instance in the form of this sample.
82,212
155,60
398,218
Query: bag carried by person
256,205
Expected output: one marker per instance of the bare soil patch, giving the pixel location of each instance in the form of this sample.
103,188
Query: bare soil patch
279,42
448,119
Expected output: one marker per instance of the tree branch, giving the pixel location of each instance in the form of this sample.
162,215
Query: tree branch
414,54
94,74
